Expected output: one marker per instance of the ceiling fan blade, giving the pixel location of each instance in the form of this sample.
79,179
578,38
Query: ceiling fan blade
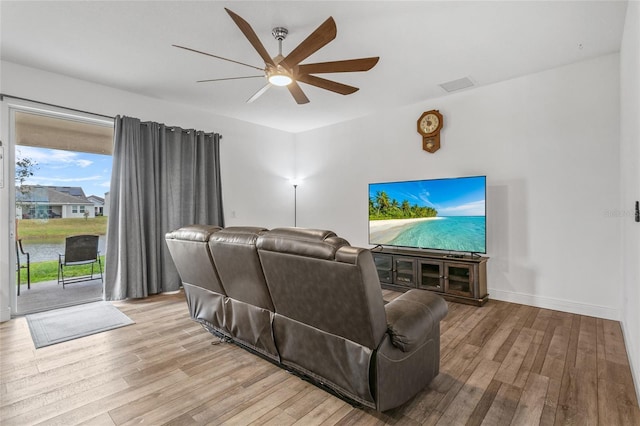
322,83
229,78
320,37
217,57
251,36
297,93
259,93
349,65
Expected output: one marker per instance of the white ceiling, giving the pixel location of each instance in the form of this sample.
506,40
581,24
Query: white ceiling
421,44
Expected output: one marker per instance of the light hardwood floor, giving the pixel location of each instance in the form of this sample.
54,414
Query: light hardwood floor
501,364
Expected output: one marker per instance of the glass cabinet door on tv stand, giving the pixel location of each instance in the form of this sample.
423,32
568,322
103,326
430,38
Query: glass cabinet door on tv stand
431,275
460,279
404,271
396,270
384,266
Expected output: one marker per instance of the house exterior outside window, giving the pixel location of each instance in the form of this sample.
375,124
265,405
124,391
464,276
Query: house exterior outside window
41,202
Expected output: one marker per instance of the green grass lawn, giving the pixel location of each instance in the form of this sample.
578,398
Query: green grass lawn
54,230
48,271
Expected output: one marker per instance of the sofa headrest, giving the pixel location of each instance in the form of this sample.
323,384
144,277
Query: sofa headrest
199,233
348,254
238,235
304,242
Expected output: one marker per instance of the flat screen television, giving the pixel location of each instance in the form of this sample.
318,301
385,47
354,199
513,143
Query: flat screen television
435,214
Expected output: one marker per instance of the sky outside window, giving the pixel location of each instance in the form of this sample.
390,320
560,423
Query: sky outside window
91,172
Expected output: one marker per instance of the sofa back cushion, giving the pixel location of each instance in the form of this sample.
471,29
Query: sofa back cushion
235,256
317,278
189,249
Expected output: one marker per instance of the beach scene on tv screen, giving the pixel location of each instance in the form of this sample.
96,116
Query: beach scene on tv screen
442,214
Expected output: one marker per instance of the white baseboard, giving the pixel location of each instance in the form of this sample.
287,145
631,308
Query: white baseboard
5,313
556,304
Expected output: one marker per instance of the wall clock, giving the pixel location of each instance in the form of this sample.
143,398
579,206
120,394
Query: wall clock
429,126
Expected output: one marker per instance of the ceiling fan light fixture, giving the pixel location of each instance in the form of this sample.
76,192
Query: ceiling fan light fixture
280,79
287,71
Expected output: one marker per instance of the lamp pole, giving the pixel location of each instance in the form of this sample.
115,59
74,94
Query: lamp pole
295,204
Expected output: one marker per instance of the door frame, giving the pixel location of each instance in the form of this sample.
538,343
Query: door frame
9,107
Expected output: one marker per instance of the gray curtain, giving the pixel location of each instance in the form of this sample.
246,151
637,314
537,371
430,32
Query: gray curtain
162,178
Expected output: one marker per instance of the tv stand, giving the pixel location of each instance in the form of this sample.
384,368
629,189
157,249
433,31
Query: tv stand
455,277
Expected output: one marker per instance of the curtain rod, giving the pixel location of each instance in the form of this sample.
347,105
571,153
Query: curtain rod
3,95
187,131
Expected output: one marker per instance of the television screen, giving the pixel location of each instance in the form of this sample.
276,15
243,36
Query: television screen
441,214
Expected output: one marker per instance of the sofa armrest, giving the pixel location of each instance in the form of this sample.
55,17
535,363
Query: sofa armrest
411,318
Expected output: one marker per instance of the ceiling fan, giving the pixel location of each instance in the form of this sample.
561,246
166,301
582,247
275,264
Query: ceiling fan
288,71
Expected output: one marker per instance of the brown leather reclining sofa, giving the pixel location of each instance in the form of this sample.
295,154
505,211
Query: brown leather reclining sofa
308,301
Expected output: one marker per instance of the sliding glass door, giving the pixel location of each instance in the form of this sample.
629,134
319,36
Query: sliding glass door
62,171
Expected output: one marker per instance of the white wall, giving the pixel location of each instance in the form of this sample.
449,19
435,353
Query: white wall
548,143
630,179
256,161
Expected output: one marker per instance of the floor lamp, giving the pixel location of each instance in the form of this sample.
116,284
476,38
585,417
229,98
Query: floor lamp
295,184
295,204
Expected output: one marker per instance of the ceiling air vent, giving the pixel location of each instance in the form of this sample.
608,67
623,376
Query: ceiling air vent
459,84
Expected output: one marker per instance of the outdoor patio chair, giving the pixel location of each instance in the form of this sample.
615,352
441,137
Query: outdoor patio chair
79,250
19,253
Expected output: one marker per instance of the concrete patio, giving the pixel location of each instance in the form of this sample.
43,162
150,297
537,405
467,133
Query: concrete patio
47,295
